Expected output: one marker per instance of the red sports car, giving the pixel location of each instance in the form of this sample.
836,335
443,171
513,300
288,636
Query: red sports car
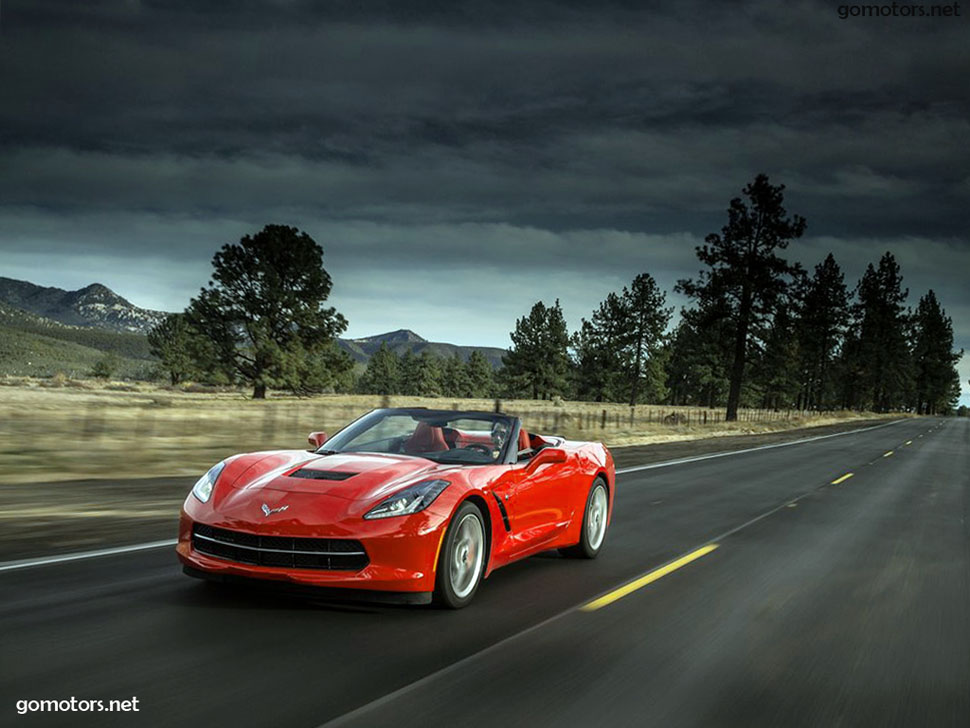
411,505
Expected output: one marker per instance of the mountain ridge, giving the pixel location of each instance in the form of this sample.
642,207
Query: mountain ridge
98,308
95,306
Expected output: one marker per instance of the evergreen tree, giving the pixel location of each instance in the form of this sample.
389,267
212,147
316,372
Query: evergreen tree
455,381
743,264
933,358
699,361
383,375
410,379
538,359
323,368
171,341
480,375
777,367
264,307
822,318
420,374
601,351
882,356
648,318
429,374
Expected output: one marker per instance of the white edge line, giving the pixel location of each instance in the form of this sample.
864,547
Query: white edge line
668,463
27,563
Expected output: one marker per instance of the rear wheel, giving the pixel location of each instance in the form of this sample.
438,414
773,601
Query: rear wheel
462,558
595,518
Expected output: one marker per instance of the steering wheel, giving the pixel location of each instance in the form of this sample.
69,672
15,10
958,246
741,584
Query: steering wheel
479,447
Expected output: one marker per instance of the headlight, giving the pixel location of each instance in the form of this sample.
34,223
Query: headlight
203,487
412,499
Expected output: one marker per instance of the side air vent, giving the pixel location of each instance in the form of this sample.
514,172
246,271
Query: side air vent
321,474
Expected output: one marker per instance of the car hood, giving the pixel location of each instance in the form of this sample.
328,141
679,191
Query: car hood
350,476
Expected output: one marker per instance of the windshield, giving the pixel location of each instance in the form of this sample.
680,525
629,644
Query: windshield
462,438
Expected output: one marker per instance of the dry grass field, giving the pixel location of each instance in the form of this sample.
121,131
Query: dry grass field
54,430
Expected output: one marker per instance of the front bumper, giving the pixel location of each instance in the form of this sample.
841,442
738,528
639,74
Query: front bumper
401,552
315,592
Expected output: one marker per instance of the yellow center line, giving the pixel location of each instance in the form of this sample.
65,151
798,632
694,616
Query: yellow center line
631,587
888,454
842,479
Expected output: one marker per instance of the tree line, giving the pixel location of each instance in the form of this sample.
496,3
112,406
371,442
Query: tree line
759,331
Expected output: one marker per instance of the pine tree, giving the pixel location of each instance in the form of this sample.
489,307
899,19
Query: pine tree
171,340
538,359
264,306
601,350
480,375
383,375
455,381
409,382
883,358
934,360
699,361
648,319
420,374
822,317
777,366
742,263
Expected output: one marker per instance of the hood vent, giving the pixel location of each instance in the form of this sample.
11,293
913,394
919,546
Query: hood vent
309,474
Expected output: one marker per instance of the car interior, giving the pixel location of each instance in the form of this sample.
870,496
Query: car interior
428,438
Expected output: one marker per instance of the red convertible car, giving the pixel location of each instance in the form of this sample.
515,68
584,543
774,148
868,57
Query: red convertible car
411,505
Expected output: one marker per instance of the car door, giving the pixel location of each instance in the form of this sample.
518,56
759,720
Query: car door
535,504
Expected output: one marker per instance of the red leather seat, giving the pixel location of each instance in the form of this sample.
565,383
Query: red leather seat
524,442
425,438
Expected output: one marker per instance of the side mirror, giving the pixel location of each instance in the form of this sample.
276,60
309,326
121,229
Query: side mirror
316,439
546,456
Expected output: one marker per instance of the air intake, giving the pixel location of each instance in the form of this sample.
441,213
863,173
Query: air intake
331,554
321,474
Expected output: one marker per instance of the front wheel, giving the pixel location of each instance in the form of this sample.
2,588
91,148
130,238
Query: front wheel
462,558
595,518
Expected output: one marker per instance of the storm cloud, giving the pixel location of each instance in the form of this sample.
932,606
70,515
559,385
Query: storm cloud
476,154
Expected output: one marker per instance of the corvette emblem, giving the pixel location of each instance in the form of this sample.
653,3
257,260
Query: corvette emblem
267,511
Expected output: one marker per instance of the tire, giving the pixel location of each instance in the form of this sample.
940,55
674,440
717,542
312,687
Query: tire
461,562
595,521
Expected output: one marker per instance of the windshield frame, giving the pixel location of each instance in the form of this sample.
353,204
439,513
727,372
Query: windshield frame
368,420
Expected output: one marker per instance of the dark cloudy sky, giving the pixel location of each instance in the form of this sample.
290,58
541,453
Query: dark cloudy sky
460,160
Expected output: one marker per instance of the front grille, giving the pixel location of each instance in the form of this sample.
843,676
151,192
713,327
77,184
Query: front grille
334,554
321,474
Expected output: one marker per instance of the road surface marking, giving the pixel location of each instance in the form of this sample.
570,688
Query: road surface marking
842,479
682,461
636,584
26,563
500,645
909,442
886,455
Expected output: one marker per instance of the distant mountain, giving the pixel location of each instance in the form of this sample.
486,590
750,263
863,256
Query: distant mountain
401,336
404,339
94,306
32,345
87,315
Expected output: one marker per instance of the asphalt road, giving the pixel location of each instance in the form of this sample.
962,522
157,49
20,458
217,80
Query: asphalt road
822,605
